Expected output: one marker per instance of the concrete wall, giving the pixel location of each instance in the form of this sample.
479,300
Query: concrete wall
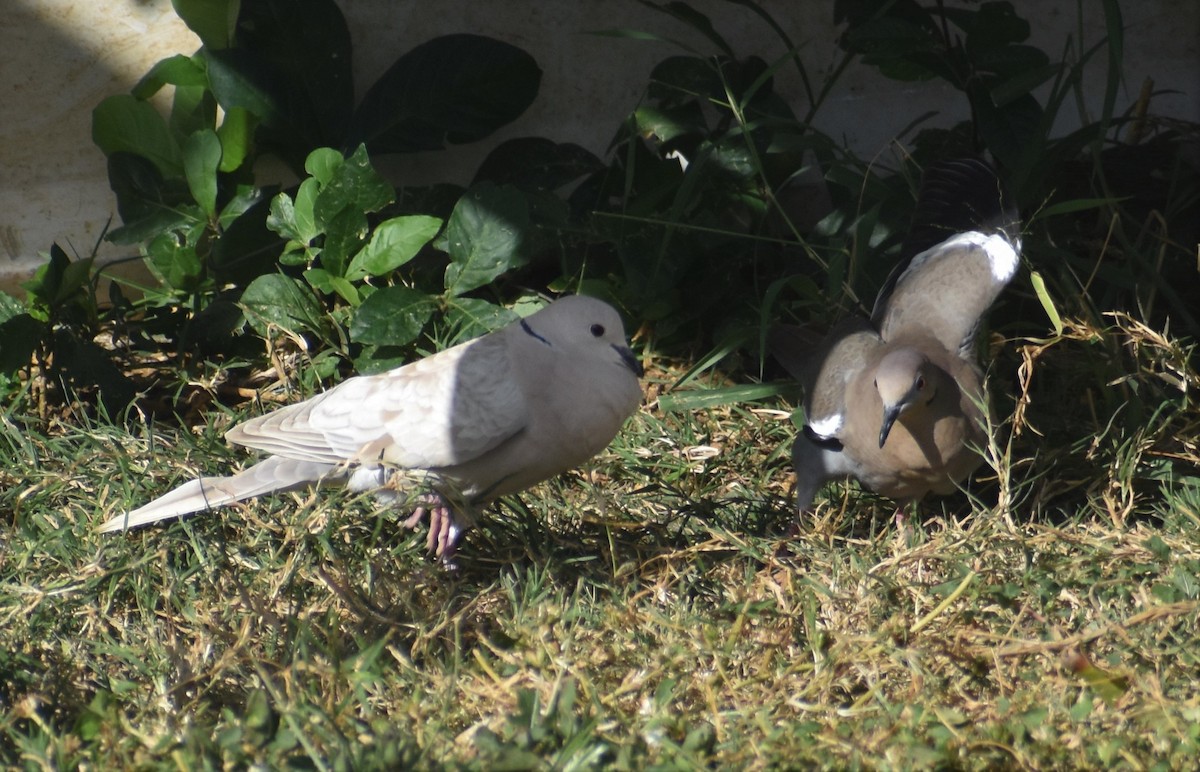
59,58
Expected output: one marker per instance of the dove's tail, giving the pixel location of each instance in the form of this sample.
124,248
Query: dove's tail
269,475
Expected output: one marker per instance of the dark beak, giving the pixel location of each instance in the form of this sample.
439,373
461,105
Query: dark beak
890,414
630,360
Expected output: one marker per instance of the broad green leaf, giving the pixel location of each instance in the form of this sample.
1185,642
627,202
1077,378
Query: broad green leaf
1022,83
392,316
247,248
123,124
306,200
282,219
175,261
236,133
10,307
485,236
278,301
239,79
472,317
201,158
322,163
394,243
194,108
58,280
244,198
323,281
354,185
148,202
178,70
668,123
212,20
344,237
300,53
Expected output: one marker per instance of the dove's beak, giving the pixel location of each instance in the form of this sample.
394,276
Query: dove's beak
630,360
889,418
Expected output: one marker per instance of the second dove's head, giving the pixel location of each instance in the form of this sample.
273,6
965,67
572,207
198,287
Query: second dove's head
903,382
583,327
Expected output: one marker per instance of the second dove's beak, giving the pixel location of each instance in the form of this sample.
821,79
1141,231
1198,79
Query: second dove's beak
629,359
890,414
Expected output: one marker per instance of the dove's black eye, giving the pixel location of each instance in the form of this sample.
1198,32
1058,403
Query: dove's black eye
598,330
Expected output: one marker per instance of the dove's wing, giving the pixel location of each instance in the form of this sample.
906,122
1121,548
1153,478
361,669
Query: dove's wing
946,290
439,411
272,474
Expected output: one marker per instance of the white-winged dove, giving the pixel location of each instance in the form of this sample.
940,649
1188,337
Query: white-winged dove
896,401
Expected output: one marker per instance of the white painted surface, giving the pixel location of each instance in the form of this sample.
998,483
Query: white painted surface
59,58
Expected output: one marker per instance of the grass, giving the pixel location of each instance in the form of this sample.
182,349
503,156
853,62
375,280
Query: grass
643,612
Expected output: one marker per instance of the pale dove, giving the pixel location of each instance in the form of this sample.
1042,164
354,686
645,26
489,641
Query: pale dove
896,401
483,419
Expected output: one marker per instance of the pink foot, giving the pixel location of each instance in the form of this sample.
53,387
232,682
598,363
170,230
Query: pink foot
443,532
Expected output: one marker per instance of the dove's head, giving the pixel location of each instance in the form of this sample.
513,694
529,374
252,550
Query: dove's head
583,327
904,380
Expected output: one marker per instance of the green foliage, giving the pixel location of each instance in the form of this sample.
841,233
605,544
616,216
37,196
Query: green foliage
362,272
273,78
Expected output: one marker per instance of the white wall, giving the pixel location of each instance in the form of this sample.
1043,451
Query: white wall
59,58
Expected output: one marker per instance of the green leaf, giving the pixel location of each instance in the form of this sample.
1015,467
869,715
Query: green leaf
702,399
1022,83
123,124
323,281
59,279
246,249
306,201
212,20
345,235
147,202
282,219
201,158
174,261
394,243
323,163
299,52
178,70
245,198
239,80
10,307
354,185
455,88
392,316
1043,295
472,317
193,108
484,237
278,301
236,133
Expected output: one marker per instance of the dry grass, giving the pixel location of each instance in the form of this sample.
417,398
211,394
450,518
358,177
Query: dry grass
643,612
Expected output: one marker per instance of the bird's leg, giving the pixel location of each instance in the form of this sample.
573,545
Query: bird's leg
444,533
904,533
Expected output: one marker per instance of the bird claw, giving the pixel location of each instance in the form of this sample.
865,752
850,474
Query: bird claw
444,533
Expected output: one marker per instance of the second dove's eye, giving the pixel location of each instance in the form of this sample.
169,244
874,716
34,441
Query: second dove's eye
598,330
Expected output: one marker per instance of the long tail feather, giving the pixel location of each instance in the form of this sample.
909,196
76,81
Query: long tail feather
267,476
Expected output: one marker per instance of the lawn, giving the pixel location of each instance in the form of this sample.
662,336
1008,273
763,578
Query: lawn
645,611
